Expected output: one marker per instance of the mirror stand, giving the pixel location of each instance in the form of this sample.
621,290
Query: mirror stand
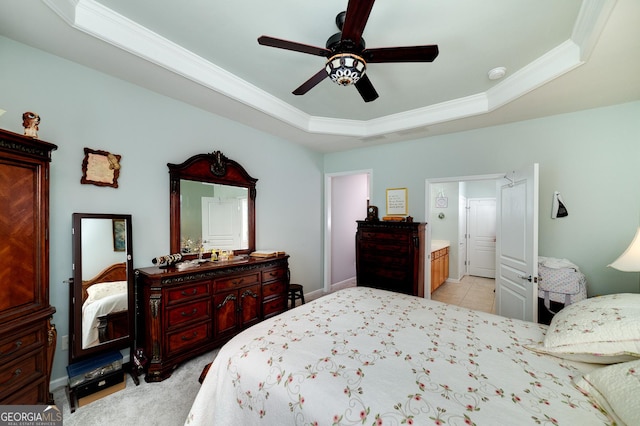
102,305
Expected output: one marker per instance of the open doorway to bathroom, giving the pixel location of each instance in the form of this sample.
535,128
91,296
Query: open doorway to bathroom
462,216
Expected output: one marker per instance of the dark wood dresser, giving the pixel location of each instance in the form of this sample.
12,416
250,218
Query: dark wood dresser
27,337
183,314
390,256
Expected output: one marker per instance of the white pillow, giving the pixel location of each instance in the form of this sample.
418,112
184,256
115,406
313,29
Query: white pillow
602,330
102,290
615,390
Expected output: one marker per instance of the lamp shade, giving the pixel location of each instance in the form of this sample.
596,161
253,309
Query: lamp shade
629,261
345,69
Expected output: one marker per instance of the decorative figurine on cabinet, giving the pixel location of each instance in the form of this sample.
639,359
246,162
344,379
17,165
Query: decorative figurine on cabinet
30,121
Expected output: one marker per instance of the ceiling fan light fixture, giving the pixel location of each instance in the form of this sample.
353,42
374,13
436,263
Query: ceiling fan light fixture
345,69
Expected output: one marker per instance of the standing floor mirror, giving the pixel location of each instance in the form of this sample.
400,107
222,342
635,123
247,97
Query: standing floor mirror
102,288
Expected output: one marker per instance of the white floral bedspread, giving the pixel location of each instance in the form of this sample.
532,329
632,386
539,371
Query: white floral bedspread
365,356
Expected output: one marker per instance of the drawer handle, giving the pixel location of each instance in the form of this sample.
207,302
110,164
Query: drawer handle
193,292
186,314
16,374
227,300
187,338
274,274
18,344
249,293
238,282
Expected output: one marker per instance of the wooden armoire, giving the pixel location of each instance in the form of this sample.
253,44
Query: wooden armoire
27,337
390,256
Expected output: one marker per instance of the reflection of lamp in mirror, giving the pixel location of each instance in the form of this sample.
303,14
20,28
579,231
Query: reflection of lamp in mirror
629,261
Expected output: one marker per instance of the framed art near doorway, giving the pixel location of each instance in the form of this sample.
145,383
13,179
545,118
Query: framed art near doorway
397,202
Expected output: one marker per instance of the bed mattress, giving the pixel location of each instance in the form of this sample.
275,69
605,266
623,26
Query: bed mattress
367,356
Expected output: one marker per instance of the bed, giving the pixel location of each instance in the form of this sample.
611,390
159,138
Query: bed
367,356
104,306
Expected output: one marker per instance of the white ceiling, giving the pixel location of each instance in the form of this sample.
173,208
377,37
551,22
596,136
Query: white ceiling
560,56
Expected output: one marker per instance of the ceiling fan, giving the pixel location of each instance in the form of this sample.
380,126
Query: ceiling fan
346,54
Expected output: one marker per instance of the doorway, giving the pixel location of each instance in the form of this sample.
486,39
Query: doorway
450,221
346,197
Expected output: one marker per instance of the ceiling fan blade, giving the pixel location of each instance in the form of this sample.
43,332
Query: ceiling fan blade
311,83
356,18
292,45
366,89
401,54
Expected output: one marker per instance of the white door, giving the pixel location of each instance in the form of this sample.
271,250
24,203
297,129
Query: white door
482,237
221,223
462,237
517,248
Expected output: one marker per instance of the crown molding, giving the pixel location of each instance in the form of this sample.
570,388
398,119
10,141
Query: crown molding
94,19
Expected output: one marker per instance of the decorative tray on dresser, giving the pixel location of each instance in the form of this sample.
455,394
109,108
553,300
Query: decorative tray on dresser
182,314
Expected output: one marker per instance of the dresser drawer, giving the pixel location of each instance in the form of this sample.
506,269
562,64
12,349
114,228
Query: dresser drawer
386,260
33,393
222,284
274,306
273,274
188,338
391,249
16,375
274,288
189,312
20,343
185,292
383,274
387,237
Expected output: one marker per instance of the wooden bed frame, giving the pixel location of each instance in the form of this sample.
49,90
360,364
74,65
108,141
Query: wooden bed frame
116,325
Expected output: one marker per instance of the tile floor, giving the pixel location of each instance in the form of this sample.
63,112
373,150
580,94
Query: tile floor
471,292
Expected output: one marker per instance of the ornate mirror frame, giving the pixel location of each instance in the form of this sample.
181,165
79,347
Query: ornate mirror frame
119,240
210,168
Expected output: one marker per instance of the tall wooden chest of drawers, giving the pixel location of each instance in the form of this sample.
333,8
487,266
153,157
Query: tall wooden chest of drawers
182,314
390,256
27,337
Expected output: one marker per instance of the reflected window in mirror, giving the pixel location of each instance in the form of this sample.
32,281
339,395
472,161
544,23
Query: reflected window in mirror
212,206
213,216
102,302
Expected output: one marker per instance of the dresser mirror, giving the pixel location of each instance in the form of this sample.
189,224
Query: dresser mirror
212,206
102,302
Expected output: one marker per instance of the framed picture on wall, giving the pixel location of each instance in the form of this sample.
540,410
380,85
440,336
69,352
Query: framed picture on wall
100,168
119,234
397,201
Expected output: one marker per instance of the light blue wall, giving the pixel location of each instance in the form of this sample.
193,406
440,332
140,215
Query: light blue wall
83,108
591,157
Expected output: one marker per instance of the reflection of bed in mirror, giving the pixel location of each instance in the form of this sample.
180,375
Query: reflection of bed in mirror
104,306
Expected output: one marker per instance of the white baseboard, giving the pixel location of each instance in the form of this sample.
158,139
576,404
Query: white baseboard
314,295
349,282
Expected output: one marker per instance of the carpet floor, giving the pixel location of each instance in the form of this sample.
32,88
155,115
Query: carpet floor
166,403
